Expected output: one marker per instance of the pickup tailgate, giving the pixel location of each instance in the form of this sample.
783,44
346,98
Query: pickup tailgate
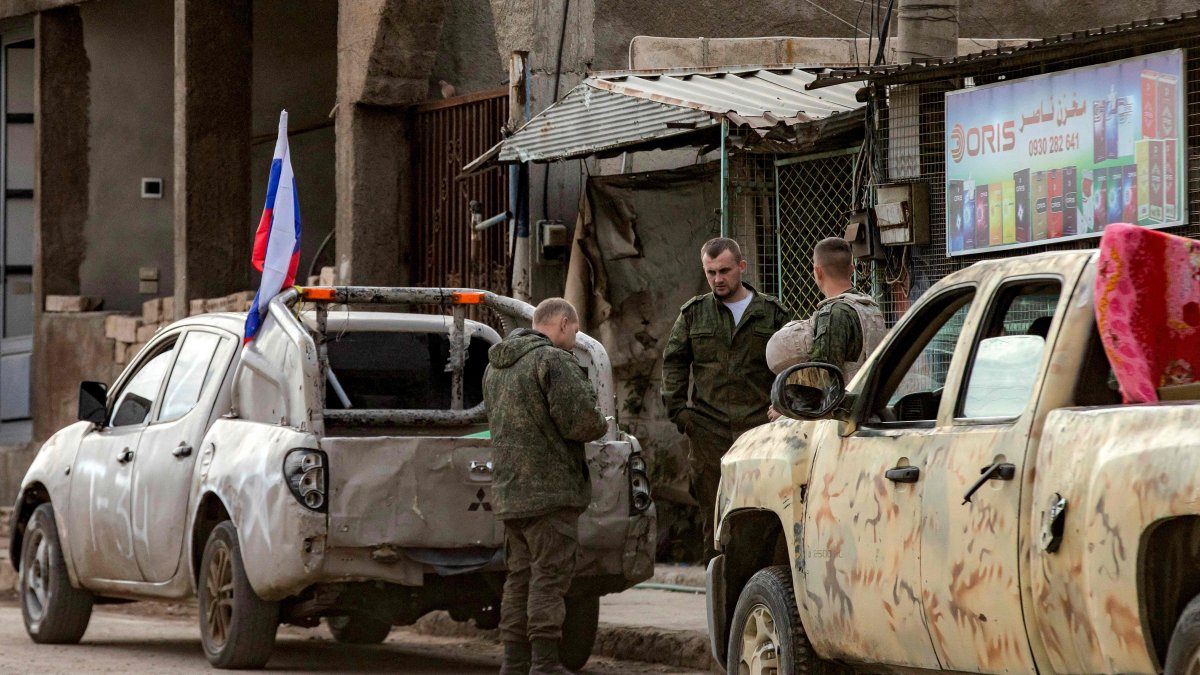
411,492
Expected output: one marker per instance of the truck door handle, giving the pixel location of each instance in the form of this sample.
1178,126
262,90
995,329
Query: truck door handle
903,474
481,467
996,471
125,456
182,451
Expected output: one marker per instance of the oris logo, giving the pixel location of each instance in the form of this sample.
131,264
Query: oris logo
982,140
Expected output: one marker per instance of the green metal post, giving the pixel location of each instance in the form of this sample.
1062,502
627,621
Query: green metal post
724,179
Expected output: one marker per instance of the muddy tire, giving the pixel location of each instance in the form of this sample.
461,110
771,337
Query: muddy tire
55,612
765,634
237,628
1183,652
579,631
358,629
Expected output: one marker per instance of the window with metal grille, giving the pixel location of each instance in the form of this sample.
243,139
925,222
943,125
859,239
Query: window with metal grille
815,196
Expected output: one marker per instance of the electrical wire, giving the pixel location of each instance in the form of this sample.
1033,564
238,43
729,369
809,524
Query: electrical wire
836,16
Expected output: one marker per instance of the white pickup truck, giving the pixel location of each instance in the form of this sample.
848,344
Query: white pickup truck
337,466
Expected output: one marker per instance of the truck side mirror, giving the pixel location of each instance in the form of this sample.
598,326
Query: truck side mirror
93,402
808,391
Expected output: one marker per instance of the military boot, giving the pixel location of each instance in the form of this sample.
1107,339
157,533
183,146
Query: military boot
517,656
546,660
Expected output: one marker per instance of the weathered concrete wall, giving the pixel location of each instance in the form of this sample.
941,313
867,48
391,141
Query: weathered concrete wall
467,57
647,52
130,128
295,68
81,352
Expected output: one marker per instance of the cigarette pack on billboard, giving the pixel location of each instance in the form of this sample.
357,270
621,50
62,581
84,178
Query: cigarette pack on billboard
1149,102
1142,162
1087,196
1021,196
1168,85
1054,196
1170,206
955,212
1040,206
1099,199
1111,139
995,215
1070,202
1127,127
968,215
1129,195
1008,210
982,235
1116,205
1099,154
1156,181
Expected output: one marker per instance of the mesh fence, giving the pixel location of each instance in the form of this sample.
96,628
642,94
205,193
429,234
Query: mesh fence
751,194
913,124
814,199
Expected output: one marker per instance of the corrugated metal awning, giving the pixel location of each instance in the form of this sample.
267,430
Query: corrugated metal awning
613,111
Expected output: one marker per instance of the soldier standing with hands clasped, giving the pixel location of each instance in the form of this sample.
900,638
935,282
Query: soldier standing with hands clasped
541,410
717,349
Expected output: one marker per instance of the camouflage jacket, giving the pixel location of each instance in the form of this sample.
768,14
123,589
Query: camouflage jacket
726,364
541,410
837,337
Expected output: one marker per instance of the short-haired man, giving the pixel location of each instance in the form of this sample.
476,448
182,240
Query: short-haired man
847,325
541,410
717,349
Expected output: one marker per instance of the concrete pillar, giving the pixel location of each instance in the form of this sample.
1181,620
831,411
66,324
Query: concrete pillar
926,29
374,195
386,51
60,185
213,232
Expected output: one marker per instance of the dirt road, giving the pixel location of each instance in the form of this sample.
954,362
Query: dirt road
140,639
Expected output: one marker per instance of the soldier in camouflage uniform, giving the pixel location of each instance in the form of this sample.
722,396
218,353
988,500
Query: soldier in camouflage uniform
846,327
717,350
541,410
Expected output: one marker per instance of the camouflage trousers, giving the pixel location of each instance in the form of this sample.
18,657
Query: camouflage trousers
540,556
708,441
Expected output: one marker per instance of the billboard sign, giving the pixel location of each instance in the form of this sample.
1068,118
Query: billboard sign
1057,157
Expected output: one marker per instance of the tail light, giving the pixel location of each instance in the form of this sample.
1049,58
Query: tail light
639,484
304,470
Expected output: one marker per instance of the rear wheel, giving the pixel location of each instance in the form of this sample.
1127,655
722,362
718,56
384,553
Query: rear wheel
55,612
1183,653
765,636
358,629
579,630
237,628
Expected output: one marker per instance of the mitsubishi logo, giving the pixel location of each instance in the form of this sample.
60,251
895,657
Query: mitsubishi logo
480,503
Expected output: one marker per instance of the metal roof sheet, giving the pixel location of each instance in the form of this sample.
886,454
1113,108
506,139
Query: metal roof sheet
613,110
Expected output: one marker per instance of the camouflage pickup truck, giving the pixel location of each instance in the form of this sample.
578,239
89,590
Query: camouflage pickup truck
976,500
338,466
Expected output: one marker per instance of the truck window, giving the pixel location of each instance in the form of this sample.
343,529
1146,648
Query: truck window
1007,355
906,386
402,371
137,397
189,375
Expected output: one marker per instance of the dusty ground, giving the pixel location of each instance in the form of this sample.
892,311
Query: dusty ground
150,637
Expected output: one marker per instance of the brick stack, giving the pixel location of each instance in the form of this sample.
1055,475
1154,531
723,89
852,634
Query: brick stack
131,333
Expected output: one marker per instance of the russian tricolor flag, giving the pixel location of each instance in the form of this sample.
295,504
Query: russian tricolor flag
277,242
